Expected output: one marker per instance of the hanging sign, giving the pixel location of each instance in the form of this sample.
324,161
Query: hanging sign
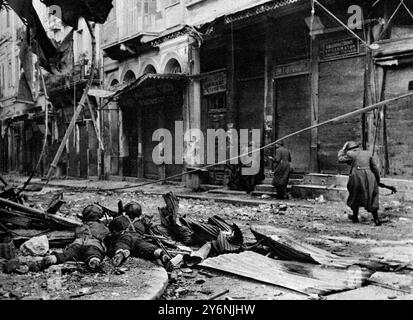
339,48
291,69
214,84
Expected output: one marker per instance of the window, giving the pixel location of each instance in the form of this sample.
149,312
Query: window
9,72
1,80
7,19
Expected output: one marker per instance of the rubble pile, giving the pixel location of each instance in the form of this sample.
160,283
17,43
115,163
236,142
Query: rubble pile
196,246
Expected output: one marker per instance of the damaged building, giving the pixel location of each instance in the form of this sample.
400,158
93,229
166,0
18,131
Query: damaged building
268,65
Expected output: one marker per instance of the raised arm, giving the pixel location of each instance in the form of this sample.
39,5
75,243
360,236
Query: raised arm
343,157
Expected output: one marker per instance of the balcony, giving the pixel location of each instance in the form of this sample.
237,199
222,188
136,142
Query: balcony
81,73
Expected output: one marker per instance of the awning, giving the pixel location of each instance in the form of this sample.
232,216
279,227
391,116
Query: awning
152,84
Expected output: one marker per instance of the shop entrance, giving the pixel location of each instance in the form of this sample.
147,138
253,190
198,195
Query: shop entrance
293,107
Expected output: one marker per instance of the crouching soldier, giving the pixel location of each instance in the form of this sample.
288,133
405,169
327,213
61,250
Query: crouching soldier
127,238
363,184
89,245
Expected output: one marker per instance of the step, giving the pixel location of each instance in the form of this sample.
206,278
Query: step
229,192
208,187
325,180
315,191
291,181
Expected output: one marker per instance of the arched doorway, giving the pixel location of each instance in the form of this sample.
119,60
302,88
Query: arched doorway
130,132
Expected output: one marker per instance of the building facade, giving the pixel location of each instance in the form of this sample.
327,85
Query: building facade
270,65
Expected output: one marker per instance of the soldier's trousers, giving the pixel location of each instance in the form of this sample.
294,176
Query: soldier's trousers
80,253
138,247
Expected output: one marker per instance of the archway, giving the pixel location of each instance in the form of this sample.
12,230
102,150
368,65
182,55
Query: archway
173,66
129,77
149,69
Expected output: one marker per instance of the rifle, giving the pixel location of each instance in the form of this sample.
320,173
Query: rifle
392,189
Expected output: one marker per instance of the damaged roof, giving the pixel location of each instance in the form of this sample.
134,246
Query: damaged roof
92,10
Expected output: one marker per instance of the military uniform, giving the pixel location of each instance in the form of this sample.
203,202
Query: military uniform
282,169
363,184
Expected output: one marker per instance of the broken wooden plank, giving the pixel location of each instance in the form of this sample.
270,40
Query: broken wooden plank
370,293
285,247
55,204
308,279
394,281
56,219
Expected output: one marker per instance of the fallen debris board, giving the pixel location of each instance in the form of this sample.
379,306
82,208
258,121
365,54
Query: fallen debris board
395,255
399,281
285,247
55,219
307,279
371,293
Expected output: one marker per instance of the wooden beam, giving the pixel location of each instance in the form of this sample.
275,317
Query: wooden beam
64,222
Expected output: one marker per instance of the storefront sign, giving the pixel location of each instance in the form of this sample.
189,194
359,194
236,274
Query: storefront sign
214,84
339,48
291,69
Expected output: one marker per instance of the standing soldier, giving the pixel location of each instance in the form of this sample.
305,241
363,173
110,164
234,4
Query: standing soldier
282,169
363,184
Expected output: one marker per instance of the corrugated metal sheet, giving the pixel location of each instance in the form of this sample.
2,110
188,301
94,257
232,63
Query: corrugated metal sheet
307,279
287,248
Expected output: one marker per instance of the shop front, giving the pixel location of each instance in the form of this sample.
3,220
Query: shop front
154,101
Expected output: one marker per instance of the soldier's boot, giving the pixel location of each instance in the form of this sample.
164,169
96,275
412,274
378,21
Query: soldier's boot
376,219
166,261
120,257
355,216
47,261
94,263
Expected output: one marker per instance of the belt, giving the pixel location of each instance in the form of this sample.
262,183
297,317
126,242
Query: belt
362,168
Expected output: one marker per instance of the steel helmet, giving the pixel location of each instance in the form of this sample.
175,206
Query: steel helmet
352,145
133,210
92,213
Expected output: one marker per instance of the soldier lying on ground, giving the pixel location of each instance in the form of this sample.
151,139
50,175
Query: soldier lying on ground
89,244
126,238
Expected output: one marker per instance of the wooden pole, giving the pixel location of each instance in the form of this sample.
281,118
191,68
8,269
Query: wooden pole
95,124
78,110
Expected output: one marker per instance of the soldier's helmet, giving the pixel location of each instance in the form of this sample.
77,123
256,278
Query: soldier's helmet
133,210
92,213
352,145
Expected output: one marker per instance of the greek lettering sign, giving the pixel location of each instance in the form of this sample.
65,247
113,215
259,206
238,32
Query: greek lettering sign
214,84
339,48
291,69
